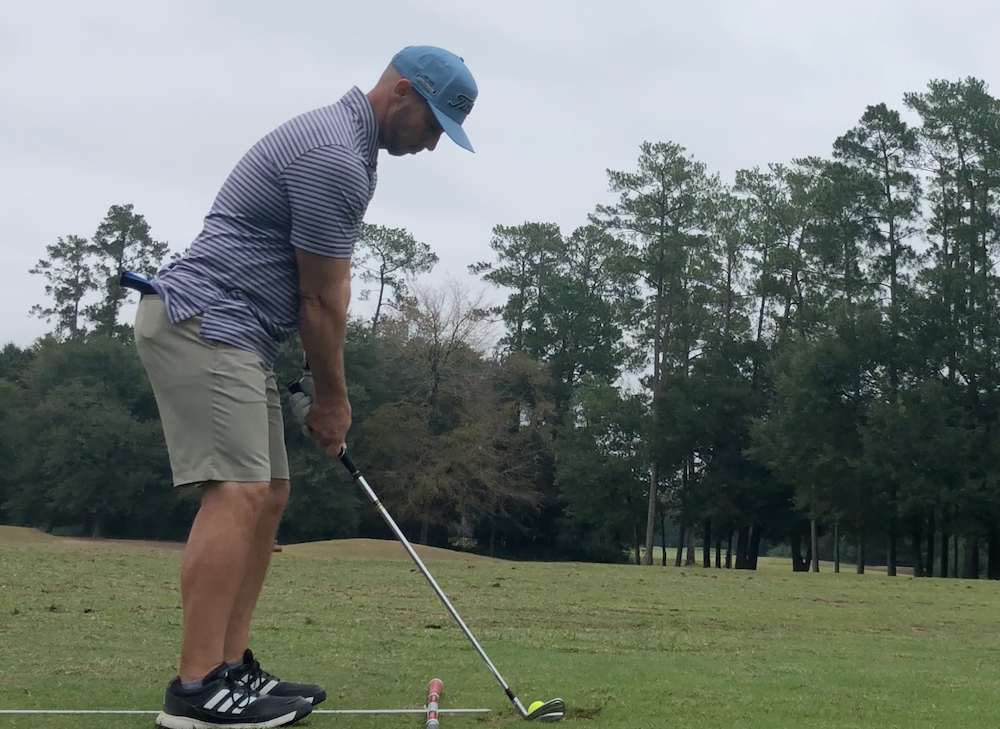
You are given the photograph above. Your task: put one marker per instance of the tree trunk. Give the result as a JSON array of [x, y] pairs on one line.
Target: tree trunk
[[795, 542], [729, 551], [378, 306], [971, 567], [993, 563], [931, 529], [861, 551], [836, 545], [424, 530], [743, 548], [663, 538], [814, 545], [706, 547], [651, 511], [680, 546], [918, 543], [690, 559], [718, 551], [944, 544], [653, 477], [637, 545], [755, 538], [890, 549]]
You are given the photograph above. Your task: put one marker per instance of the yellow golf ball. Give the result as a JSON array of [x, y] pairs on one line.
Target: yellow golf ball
[[534, 705]]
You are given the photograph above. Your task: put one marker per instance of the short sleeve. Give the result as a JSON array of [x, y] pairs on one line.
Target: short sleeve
[[328, 192]]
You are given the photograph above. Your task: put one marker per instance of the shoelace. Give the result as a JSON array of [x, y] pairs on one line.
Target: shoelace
[[245, 693], [256, 676]]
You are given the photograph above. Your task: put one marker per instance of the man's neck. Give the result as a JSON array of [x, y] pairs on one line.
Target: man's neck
[[380, 107]]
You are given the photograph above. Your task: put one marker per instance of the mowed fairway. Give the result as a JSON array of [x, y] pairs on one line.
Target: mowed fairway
[[95, 626]]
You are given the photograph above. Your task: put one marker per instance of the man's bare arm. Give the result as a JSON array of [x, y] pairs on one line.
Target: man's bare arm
[[325, 293]]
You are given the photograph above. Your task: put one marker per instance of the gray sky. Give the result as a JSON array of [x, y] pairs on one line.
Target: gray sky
[[153, 102]]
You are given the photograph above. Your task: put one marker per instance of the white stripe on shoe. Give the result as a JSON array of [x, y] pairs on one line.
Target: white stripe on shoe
[[213, 702], [235, 701], [269, 687]]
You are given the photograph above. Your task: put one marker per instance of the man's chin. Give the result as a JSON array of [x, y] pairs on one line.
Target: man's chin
[[396, 152]]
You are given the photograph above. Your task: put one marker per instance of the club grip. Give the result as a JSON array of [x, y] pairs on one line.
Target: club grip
[[348, 463], [131, 280]]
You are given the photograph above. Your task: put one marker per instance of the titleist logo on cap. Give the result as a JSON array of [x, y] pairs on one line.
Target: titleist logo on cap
[[463, 103]]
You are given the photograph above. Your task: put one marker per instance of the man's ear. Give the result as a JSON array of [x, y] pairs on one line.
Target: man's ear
[[401, 89]]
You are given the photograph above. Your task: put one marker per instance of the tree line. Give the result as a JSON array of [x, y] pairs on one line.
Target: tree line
[[804, 355]]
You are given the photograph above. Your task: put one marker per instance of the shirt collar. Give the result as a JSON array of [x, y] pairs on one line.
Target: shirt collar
[[367, 127]]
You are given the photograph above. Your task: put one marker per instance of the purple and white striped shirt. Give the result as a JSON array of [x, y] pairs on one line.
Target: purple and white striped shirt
[[306, 184]]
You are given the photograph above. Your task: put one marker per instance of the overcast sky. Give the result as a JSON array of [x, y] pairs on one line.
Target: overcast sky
[[152, 102]]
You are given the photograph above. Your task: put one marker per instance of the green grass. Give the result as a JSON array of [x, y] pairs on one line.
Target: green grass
[[626, 647]]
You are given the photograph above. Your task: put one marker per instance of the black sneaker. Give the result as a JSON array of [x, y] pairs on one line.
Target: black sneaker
[[221, 702], [257, 679]]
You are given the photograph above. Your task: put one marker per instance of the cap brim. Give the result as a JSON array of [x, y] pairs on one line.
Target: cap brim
[[453, 129]]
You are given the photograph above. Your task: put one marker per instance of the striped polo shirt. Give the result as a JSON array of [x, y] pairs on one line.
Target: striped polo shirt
[[306, 184]]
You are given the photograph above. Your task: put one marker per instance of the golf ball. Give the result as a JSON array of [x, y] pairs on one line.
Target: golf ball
[[534, 705]]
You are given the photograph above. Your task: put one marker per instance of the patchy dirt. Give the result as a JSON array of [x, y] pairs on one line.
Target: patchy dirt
[[582, 713]]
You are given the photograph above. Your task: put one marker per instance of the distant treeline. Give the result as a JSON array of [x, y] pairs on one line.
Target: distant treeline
[[807, 350]]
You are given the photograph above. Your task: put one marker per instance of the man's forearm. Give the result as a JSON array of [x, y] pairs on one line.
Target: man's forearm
[[322, 328]]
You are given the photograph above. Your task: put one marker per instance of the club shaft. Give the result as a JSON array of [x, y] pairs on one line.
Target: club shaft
[[356, 474]]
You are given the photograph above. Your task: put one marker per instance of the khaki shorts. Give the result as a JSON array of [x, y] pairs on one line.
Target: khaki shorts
[[219, 406]]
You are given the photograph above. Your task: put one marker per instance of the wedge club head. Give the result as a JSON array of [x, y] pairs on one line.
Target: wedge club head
[[552, 710]]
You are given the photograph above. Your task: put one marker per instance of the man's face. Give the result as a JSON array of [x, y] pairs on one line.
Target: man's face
[[410, 125]]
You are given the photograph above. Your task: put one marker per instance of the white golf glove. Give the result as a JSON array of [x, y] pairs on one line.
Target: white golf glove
[[301, 401]]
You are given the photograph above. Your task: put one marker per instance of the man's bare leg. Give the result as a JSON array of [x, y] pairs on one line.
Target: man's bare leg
[[238, 629], [213, 569]]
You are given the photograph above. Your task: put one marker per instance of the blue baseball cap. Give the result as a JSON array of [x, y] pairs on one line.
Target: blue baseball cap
[[441, 78]]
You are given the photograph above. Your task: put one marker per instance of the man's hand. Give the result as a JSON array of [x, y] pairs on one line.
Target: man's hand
[[324, 425], [328, 426]]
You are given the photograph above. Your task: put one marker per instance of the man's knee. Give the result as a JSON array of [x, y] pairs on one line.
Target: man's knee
[[277, 495], [248, 499]]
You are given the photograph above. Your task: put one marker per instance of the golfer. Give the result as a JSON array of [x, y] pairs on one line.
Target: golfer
[[273, 259]]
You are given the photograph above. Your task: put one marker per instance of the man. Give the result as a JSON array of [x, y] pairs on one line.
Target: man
[[273, 259]]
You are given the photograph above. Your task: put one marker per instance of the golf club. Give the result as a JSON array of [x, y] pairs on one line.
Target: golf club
[[551, 710]]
